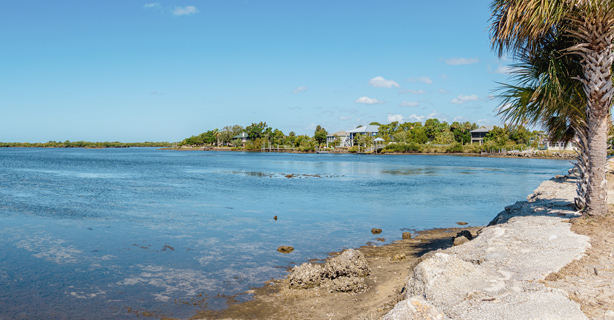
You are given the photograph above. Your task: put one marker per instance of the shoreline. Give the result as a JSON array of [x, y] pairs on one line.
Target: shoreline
[[544, 156], [389, 298], [274, 300]]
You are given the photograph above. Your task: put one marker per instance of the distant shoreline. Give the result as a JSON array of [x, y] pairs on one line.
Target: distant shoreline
[[546, 156]]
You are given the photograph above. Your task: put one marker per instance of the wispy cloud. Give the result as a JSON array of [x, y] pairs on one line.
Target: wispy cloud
[[184, 11], [380, 82], [443, 91], [299, 89], [367, 100], [501, 69], [462, 99], [152, 6], [461, 61], [409, 104], [412, 91], [423, 79], [344, 118]]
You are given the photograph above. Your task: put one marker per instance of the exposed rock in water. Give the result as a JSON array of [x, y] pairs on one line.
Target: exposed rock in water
[[275, 218], [285, 249], [376, 231], [381, 239], [462, 223], [406, 235]]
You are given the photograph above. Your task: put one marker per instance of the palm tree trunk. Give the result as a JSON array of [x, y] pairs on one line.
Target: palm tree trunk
[[597, 82], [596, 33]]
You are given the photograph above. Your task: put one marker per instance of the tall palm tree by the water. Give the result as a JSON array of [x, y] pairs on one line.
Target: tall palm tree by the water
[[545, 93], [519, 26]]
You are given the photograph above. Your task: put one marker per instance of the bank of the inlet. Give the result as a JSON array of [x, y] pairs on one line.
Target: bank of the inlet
[[518, 267]]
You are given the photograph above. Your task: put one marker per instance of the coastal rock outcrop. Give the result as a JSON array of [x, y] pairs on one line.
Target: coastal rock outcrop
[[497, 275], [342, 273]]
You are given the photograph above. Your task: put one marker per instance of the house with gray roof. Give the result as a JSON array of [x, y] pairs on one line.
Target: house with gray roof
[[478, 135], [371, 130]]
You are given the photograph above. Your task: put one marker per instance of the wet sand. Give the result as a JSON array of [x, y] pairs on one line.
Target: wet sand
[[275, 300]]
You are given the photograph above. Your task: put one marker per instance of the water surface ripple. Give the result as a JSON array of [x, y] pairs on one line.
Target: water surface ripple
[[114, 232]]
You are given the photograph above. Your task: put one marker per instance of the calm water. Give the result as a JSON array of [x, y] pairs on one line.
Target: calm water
[[98, 233]]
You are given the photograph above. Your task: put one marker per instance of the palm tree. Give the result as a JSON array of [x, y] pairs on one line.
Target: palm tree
[[520, 27], [545, 94]]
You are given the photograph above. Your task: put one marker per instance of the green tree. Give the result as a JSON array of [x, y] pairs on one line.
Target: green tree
[[519, 27], [320, 135], [256, 130]]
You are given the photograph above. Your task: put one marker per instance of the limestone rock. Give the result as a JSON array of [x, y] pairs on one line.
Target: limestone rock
[[460, 240], [347, 284], [376, 231], [415, 308], [465, 233], [305, 276], [350, 263], [406, 235], [462, 223]]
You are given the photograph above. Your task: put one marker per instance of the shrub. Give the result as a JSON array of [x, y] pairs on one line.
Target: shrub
[[455, 148]]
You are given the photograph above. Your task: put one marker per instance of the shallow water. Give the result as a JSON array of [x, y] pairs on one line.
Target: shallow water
[[103, 233]]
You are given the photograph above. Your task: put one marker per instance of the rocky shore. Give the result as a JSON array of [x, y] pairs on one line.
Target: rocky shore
[[524, 265]]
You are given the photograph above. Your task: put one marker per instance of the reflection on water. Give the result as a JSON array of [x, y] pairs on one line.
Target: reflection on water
[[126, 233]]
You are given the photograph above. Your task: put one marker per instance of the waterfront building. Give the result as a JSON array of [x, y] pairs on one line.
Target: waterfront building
[[477, 135], [371, 130], [342, 135]]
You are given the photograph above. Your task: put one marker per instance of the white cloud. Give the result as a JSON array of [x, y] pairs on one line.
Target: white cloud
[[444, 77], [443, 91], [401, 118], [345, 118], [461, 61], [184, 11], [395, 117], [409, 104], [380, 82], [426, 80], [367, 100], [412, 91], [299, 89], [415, 118], [152, 6], [462, 99]]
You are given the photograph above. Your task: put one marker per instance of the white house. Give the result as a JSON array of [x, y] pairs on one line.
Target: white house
[[559, 145], [371, 130], [342, 135]]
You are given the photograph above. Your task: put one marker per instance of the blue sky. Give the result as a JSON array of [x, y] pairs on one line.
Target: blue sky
[[157, 70]]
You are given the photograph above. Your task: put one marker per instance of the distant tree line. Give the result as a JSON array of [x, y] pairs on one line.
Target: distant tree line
[[83, 144], [431, 136]]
